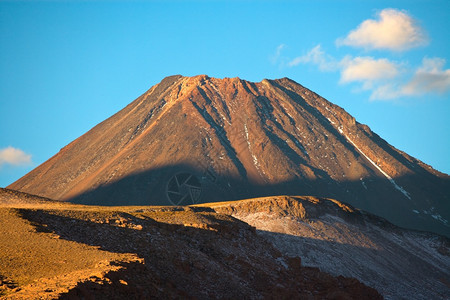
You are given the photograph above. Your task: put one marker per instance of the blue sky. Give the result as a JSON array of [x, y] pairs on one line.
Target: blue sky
[[67, 65]]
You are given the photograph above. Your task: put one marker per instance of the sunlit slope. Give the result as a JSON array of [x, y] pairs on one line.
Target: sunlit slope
[[241, 139], [90, 252]]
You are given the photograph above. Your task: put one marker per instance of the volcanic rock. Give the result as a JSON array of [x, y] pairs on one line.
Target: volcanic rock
[[198, 139], [82, 252], [344, 241]]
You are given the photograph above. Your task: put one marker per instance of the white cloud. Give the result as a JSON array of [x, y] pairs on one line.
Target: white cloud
[[367, 69], [393, 30], [386, 79], [376, 75], [429, 78], [318, 57], [14, 156], [370, 72]]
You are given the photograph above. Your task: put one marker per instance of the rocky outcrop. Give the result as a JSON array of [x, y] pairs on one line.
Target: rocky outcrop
[[86, 252], [341, 240]]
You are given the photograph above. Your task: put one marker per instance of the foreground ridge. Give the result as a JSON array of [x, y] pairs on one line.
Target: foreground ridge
[[76, 251], [341, 240]]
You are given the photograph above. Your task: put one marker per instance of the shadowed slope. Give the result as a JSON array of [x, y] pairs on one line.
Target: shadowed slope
[[237, 135], [399, 263], [89, 252]]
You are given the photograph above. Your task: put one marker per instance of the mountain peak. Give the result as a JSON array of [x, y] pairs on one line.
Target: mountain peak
[[200, 139]]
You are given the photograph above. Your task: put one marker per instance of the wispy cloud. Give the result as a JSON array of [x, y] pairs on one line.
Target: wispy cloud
[[429, 78], [14, 156], [318, 57], [274, 59], [385, 79], [351, 68], [368, 71], [393, 30]]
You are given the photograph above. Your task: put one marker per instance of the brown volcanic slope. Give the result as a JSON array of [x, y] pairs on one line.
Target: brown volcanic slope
[[240, 140], [66, 251]]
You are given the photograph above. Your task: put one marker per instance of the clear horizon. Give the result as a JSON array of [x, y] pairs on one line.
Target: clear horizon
[[66, 66]]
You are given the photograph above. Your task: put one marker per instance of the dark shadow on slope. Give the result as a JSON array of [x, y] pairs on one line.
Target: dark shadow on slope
[[265, 110], [176, 258], [224, 141], [231, 261], [132, 281], [368, 133], [376, 195], [316, 113], [393, 269], [391, 150]]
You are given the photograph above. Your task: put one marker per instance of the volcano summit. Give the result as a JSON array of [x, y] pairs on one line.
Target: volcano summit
[[198, 139]]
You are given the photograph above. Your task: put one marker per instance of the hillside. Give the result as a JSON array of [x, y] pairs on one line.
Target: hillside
[[337, 238], [65, 251], [236, 139]]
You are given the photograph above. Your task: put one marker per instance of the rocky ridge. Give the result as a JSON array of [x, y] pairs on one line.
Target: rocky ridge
[[341, 240], [89, 252], [238, 140]]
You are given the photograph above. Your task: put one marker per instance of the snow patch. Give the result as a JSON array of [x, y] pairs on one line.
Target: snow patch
[[399, 188], [225, 119], [435, 215], [255, 160], [363, 183], [246, 135], [440, 218]]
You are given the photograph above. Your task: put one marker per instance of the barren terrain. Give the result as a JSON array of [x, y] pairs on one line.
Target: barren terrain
[[241, 140], [52, 250], [337, 238]]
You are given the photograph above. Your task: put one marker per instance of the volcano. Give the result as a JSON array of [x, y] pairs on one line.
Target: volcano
[[190, 140]]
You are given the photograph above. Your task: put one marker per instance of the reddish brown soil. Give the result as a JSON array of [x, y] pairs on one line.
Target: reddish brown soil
[[81, 252], [242, 140]]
